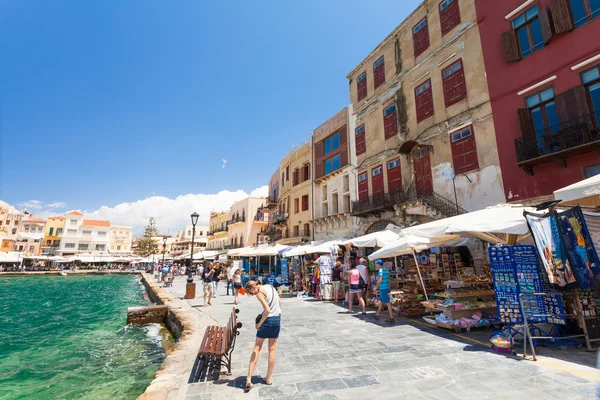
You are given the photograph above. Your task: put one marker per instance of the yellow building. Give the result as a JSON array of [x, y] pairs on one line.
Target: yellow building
[[295, 212], [218, 237], [53, 231], [424, 121]]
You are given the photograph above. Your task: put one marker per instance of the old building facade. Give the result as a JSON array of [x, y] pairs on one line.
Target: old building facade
[[244, 225], [424, 137], [542, 60], [294, 212], [334, 188], [218, 238]]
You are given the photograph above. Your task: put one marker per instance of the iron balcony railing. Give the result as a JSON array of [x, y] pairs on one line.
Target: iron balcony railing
[[237, 218], [558, 139], [217, 230], [279, 217], [261, 218], [377, 202]]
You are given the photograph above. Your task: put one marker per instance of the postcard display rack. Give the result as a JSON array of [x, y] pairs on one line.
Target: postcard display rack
[[522, 291]]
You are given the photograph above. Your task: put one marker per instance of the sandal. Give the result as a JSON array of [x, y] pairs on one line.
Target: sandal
[[390, 320], [249, 387], [267, 383]]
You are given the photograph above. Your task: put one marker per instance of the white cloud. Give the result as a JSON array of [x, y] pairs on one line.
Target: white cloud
[[171, 214], [224, 163], [41, 209]]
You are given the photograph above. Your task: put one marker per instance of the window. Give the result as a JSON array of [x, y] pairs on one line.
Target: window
[[305, 202], [59, 231], [424, 101], [287, 173], [528, 29], [73, 222], [361, 86], [14, 231], [361, 144], [543, 113], [591, 80], [69, 245], [464, 150], [296, 206], [118, 247], [83, 246], [48, 242], [332, 164], [377, 171], [72, 232], [306, 230], [590, 171], [296, 177], [420, 37], [449, 15], [584, 10], [455, 88], [390, 124], [331, 143], [101, 233], [86, 232], [51, 232], [100, 247], [379, 72], [306, 172]]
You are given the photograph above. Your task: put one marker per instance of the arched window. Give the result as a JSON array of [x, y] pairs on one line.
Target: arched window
[[243, 213], [242, 240], [378, 226]]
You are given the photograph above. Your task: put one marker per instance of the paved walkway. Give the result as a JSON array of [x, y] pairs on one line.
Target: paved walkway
[[325, 353]]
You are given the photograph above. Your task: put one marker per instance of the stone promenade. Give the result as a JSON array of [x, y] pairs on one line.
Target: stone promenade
[[326, 353]]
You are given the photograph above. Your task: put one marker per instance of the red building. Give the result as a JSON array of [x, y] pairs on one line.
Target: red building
[[542, 60]]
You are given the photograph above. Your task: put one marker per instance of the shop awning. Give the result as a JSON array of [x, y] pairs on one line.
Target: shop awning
[[376, 239], [10, 257], [582, 193], [270, 250], [297, 251], [408, 244], [499, 224]]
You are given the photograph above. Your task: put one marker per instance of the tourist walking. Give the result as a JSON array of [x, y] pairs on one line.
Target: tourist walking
[[355, 290], [237, 284], [229, 279], [365, 284], [383, 283], [207, 286], [336, 280], [218, 275], [268, 325]]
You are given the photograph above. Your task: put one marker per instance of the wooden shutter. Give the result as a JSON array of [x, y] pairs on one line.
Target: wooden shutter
[[390, 124], [361, 144], [449, 17], [545, 24], [572, 104], [304, 203], [319, 167], [528, 131], [511, 48], [464, 154], [343, 146], [562, 16], [394, 176]]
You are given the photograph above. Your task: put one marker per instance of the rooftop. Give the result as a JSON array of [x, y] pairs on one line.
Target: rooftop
[[74, 212], [95, 222]]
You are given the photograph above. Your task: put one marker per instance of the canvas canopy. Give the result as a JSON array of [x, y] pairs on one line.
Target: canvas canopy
[[499, 224], [297, 251], [376, 239], [408, 244], [582, 193]]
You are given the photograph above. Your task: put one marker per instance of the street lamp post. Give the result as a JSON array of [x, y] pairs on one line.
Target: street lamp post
[[190, 290], [164, 249]]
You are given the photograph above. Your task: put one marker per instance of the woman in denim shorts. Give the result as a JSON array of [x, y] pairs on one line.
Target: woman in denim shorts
[[268, 327]]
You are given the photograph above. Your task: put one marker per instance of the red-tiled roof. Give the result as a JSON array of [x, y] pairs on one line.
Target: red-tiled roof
[[57, 217], [95, 222], [74, 212], [35, 220]]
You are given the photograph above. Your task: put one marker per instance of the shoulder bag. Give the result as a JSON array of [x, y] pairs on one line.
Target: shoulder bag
[[259, 316]]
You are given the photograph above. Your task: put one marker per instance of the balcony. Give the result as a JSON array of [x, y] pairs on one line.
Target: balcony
[[261, 219], [271, 202], [217, 230], [377, 203], [280, 218], [237, 219], [559, 142]]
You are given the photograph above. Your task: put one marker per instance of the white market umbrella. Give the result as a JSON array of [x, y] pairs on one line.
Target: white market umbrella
[[375, 239], [583, 193], [297, 251]]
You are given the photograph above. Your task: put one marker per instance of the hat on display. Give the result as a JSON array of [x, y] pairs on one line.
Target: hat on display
[[379, 262]]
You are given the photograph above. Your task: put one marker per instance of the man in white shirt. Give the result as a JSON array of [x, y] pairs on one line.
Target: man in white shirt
[[362, 269]]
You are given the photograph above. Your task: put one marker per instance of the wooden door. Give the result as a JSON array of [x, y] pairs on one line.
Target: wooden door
[[363, 186], [377, 182], [423, 179]]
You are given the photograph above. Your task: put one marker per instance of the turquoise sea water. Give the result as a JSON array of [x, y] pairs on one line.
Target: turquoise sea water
[[66, 338]]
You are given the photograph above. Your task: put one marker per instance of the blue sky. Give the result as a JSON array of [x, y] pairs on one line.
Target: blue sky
[[112, 101]]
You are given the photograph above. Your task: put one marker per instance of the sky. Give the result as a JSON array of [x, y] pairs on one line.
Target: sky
[[131, 109]]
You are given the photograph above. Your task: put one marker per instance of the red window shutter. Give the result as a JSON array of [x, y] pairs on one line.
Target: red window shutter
[[390, 123], [304, 203], [424, 100], [394, 175], [455, 88], [343, 147], [361, 145], [421, 37], [379, 72], [318, 157], [307, 171], [363, 185], [464, 150], [361, 86], [449, 15]]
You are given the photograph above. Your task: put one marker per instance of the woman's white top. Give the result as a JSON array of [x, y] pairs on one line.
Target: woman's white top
[[272, 300]]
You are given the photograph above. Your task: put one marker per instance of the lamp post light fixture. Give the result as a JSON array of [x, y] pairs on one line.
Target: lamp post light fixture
[[164, 249], [194, 217]]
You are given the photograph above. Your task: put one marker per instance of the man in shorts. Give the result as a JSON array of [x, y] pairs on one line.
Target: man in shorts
[[207, 278], [383, 283], [336, 280]]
